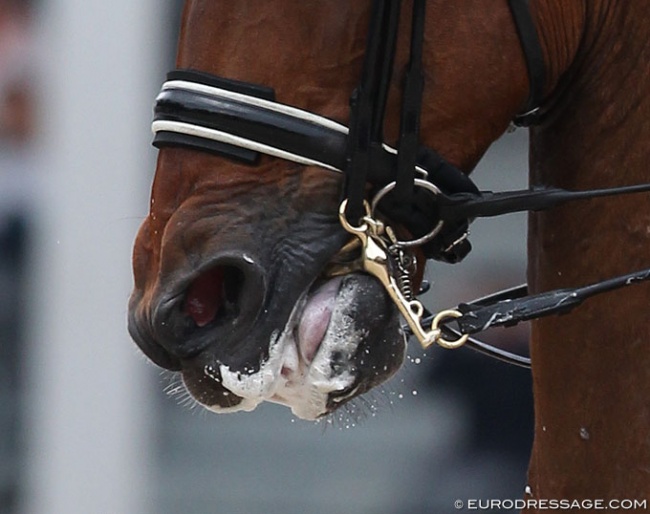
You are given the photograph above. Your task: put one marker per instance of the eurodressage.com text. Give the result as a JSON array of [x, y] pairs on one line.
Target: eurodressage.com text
[[550, 504]]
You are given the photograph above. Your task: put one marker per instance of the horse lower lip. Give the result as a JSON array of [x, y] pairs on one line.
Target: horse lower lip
[[315, 318]]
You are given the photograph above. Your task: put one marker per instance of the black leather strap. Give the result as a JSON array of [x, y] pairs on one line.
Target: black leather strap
[[327, 145], [532, 49], [478, 317], [368, 103], [405, 204], [409, 137], [513, 306], [241, 119], [488, 204], [165, 139], [477, 345], [291, 134]]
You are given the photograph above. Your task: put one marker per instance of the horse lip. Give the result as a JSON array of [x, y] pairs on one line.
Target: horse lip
[[306, 383]]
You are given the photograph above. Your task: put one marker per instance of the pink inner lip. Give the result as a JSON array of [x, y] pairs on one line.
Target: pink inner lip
[[316, 317]]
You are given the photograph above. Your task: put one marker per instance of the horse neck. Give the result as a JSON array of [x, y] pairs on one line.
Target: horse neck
[[591, 369]]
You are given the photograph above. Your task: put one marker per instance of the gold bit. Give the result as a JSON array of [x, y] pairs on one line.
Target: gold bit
[[376, 260]]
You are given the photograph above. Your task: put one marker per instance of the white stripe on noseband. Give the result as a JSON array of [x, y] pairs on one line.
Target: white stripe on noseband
[[223, 137], [294, 112], [191, 129]]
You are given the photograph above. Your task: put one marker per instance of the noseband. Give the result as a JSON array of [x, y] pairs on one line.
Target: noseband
[[412, 185]]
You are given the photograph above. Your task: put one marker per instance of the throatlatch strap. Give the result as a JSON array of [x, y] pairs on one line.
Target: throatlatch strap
[[534, 61]]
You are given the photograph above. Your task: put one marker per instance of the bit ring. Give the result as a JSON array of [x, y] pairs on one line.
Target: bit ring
[[361, 229], [425, 184], [435, 327]]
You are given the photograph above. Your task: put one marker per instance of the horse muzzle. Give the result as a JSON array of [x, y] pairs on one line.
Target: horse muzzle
[[237, 341]]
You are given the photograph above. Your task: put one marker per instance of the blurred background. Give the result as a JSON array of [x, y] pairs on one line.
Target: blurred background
[[88, 426]]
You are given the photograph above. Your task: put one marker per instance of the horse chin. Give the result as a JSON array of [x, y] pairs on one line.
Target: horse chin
[[342, 339]]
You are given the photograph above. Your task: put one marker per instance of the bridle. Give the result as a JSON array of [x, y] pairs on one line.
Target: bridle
[[412, 185]]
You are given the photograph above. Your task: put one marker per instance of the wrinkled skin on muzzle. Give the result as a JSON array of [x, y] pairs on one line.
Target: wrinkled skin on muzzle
[[230, 290]]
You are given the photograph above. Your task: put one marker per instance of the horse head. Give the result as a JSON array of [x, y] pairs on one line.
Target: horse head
[[244, 279]]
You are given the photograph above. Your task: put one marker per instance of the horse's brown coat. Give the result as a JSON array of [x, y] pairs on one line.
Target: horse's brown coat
[[591, 369]]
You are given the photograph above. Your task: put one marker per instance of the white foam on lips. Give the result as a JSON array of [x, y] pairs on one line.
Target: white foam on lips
[[286, 377], [255, 387], [321, 380], [307, 395]]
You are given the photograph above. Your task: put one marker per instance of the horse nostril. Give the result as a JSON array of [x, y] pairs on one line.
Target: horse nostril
[[214, 294], [211, 306]]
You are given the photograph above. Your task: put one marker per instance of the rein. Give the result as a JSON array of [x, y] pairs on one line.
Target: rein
[[412, 185]]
